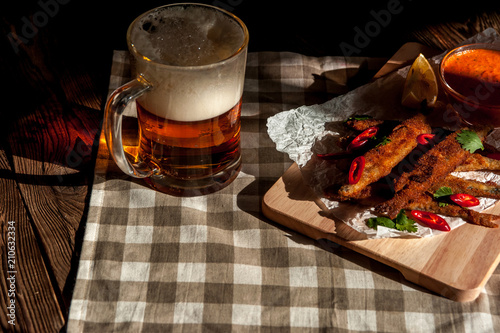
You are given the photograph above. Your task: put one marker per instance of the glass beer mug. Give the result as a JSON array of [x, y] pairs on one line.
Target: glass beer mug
[[189, 64]]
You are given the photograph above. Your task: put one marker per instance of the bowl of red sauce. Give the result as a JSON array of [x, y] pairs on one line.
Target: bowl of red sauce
[[470, 77]]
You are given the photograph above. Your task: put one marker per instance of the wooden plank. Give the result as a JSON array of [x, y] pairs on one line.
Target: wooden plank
[[50, 144], [48, 163], [447, 34], [36, 302]]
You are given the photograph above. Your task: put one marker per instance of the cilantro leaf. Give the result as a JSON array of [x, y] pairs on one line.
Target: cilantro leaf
[[385, 140], [383, 221], [359, 117], [443, 192], [401, 222], [470, 141]]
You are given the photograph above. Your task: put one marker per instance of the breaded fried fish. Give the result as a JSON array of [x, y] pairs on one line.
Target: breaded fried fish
[[380, 160], [362, 124], [426, 203], [431, 168], [469, 186], [479, 162]]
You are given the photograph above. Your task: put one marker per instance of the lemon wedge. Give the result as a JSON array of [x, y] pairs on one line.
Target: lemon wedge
[[420, 85]]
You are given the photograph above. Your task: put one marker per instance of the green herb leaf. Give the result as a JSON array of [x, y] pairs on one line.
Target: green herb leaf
[[374, 222], [443, 204], [401, 222], [443, 192], [470, 141], [359, 117], [385, 140]]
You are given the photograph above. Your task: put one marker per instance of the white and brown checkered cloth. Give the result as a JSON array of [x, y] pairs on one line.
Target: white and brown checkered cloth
[[156, 263]]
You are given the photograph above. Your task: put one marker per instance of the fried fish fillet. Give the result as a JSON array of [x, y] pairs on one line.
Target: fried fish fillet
[[426, 203], [362, 124], [431, 169], [479, 162], [469, 186], [380, 160]]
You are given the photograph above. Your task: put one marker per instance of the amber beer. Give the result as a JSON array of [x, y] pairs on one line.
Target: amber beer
[[191, 150], [189, 60]]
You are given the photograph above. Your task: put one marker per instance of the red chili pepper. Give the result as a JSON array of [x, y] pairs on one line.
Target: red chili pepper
[[431, 220], [362, 138], [425, 139], [356, 169], [464, 200]]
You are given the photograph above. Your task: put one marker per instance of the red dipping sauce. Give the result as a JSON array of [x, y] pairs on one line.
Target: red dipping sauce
[[470, 76]]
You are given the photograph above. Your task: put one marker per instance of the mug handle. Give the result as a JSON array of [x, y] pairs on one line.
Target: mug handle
[[113, 113]]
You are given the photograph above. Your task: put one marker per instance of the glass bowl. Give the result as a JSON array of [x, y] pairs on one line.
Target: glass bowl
[[470, 77]]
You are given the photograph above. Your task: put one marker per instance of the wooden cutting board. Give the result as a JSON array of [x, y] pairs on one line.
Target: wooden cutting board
[[455, 265]]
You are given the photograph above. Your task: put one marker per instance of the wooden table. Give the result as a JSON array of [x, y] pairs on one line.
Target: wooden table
[[56, 74]]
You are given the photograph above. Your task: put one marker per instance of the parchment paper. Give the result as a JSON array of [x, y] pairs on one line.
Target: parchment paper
[[308, 130]]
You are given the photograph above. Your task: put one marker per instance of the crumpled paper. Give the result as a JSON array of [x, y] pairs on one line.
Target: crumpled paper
[[303, 132]]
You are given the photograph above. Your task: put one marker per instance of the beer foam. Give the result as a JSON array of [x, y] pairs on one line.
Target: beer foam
[[186, 35], [193, 100]]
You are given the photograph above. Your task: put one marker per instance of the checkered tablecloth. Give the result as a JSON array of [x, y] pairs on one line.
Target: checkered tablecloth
[[156, 263]]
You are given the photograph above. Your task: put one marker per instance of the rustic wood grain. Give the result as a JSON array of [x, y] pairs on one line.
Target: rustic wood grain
[[36, 303], [445, 35], [50, 146]]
